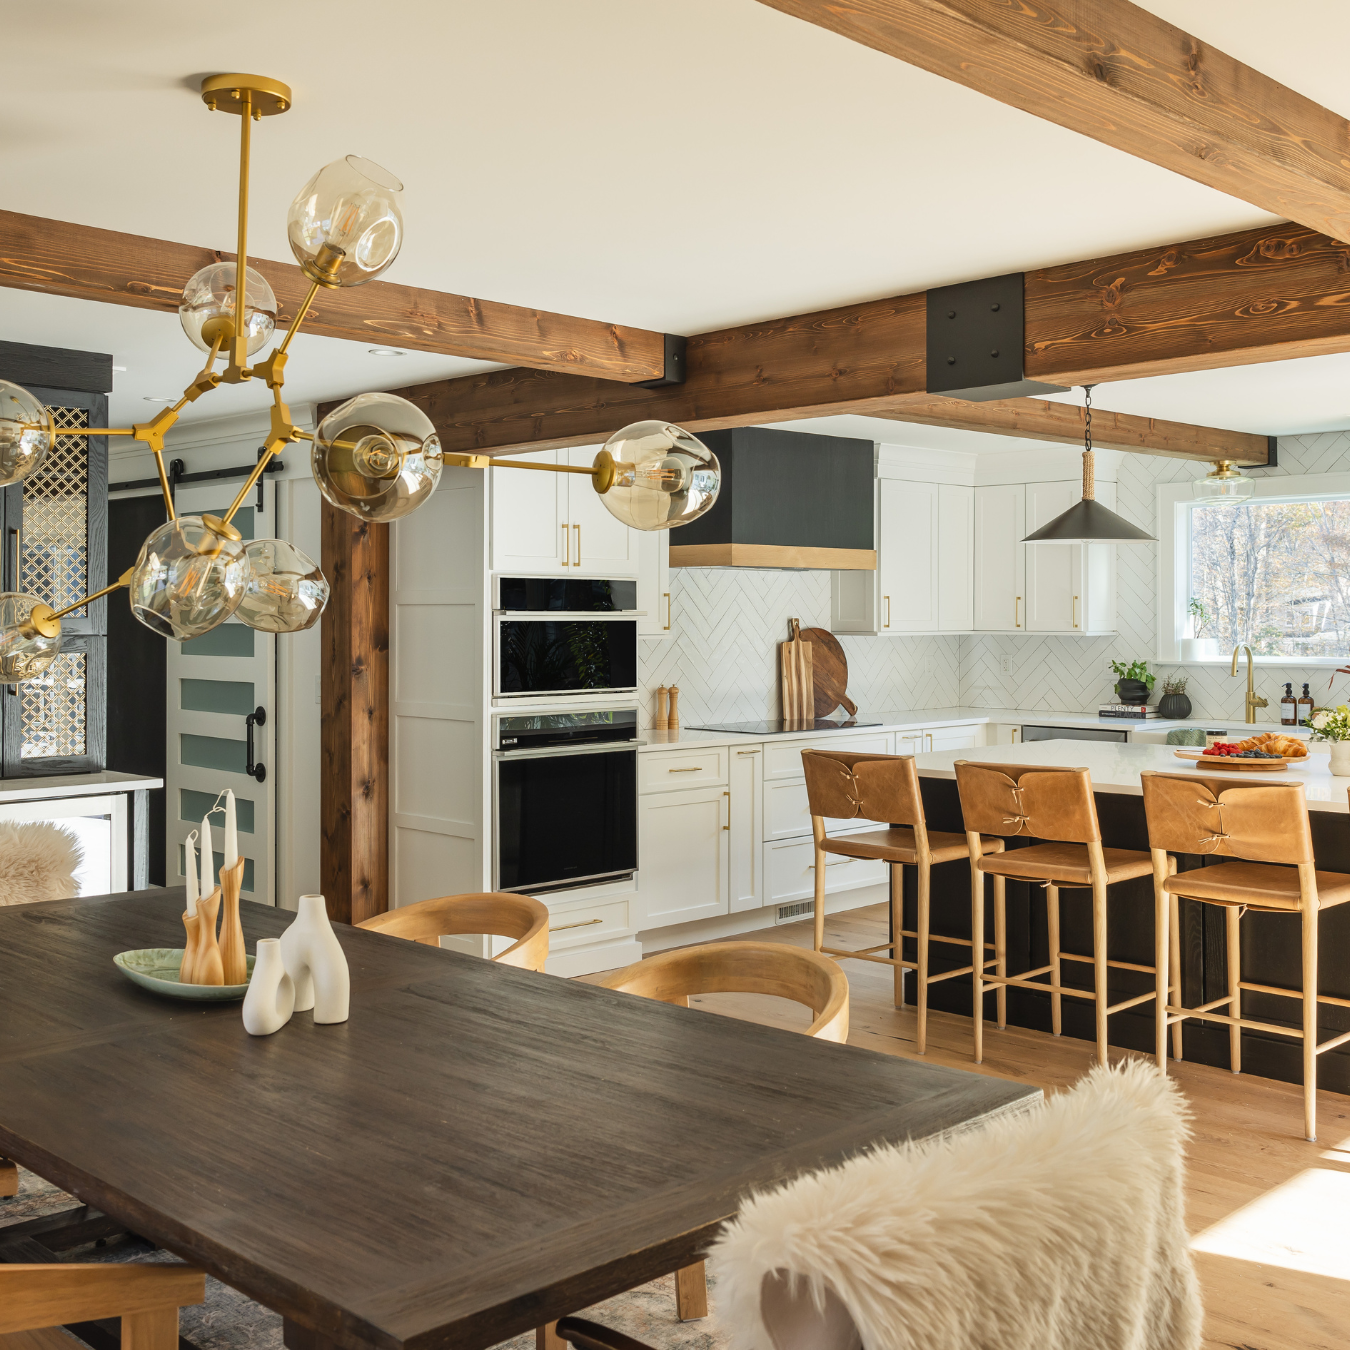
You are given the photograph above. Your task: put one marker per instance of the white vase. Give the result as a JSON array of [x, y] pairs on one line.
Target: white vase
[[270, 1000], [315, 961], [1340, 759]]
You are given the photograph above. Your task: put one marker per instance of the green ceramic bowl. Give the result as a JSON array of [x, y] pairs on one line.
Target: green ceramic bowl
[[156, 969]]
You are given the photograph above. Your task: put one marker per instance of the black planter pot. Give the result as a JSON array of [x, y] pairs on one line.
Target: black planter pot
[[1132, 691], [1174, 707]]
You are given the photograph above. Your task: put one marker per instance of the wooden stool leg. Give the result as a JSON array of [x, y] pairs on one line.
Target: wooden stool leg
[[897, 923], [977, 951], [820, 896], [156, 1329], [1099, 967], [9, 1178], [691, 1293], [1309, 1022], [1174, 968], [547, 1338], [1161, 948], [1000, 948], [921, 975], [1052, 926], [1234, 918]]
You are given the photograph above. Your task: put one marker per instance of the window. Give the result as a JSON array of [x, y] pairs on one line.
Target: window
[[1273, 573]]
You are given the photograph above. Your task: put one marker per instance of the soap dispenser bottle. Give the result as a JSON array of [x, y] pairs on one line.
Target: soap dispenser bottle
[[1289, 707], [1305, 707]]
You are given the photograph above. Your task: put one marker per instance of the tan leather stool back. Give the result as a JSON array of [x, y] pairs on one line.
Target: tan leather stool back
[[872, 787], [1033, 800], [1259, 821]]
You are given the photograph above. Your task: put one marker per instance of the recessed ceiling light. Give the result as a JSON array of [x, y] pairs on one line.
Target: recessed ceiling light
[[385, 351], [150, 399]]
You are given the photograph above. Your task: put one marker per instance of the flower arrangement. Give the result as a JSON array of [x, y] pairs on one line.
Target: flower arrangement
[[1330, 724], [1175, 684]]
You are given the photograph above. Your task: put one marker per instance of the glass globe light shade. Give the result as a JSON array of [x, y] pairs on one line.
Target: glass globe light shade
[[377, 456], [287, 590], [191, 575], [27, 432], [1223, 484], [660, 476], [209, 297], [25, 649], [345, 225]]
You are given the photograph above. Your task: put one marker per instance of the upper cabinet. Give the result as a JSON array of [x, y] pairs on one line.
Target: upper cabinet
[[547, 524], [1000, 558], [653, 595]]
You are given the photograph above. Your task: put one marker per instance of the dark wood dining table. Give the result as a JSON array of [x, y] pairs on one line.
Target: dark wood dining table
[[478, 1150]]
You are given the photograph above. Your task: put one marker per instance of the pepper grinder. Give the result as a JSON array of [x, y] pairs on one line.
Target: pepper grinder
[[661, 695], [673, 723]]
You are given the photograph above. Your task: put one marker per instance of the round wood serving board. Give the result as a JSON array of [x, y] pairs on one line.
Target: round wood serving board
[[1228, 762], [829, 671]]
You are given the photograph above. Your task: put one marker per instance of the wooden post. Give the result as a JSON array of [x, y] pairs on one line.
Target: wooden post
[[354, 796]]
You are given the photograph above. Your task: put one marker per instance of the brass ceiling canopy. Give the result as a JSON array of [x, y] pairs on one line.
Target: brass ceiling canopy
[[262, 96]]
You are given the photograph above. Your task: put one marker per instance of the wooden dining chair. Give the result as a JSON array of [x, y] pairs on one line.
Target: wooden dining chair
[[886, 788], [1056, 807], [37, 1300], [498, 913], [1266, 826]]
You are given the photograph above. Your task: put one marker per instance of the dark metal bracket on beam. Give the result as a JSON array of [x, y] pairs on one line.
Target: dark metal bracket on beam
[[675, 364], [975, 341]]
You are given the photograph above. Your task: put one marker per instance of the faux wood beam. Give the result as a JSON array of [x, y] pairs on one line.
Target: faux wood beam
[[58, 258], [1122, 76], [354, 740]]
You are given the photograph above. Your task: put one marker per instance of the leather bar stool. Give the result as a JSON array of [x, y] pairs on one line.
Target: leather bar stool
[[886, 788], [1266, 826], [496, 913], [1055, 806]]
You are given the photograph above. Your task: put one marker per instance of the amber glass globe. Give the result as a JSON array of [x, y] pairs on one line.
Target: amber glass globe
[[209, 297], [345, 225], [287, 590], [189, 577], [27, 432], [24, 652], [377, 456], [661, 476]]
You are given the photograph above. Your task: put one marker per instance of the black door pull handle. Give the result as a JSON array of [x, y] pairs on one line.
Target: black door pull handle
[[257, 718]]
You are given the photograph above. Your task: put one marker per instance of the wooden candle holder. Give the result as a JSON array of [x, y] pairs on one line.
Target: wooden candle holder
[[210, 969], [233, 954], [192, 925]]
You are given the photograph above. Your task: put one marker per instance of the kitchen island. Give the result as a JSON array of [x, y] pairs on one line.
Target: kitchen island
[[1270, 942]]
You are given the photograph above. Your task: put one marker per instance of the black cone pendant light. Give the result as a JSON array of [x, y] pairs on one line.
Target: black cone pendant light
[[1089, 521]]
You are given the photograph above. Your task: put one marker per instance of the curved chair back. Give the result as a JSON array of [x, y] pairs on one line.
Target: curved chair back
[[874, 787], [1260, 821], [1028, 799], [794, 973], [495, 912]]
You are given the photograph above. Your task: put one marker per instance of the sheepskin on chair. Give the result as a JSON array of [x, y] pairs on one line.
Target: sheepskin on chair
[[38, 861], [1060, 1228]]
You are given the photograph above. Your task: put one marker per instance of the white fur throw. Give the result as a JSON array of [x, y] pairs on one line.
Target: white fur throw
[[37, 862], [1060, 1228]]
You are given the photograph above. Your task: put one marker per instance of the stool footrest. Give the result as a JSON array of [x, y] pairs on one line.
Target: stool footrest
[[1115, 965], [961, 970], [1181, 1014]]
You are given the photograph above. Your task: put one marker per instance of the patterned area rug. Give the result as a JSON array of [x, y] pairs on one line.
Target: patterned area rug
[[230, 1321]]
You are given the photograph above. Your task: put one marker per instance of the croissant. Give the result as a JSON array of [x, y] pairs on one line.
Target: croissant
[[1276, 744]]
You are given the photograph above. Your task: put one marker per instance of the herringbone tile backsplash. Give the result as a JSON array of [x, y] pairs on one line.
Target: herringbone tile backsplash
[[727, 624]]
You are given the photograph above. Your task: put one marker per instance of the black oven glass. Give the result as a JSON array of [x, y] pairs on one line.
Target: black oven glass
[[575, 595], [541, 656], [565, 819]]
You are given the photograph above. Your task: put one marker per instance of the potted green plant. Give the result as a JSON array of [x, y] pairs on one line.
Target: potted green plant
[[1174, 703], [1134, 682], [1333, 724]]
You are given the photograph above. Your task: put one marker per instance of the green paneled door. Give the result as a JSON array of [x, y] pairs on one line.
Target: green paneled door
[[192, 806], [226, 696]]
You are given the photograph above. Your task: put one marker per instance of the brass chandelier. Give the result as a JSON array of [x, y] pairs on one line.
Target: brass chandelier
[[376, 456]]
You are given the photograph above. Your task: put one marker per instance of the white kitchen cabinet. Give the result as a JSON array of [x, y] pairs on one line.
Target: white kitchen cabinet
[[600, 544], [1000, 558], [653, 559], [791, 871], [955, 558], [683, 856], [1070, 587], [746, 805]]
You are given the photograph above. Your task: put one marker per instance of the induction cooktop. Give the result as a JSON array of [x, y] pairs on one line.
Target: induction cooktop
[[781, 728]]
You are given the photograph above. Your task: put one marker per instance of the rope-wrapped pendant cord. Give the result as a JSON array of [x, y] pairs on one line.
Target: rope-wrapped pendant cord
[[1089, 472]]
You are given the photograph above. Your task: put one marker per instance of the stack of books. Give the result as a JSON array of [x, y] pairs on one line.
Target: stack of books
[[1137, 712]]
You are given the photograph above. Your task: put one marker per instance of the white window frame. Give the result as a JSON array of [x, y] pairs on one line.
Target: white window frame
[[1174, 548]]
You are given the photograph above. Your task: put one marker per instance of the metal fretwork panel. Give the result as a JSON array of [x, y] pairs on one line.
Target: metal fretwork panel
[[54, 548], [53, 709]]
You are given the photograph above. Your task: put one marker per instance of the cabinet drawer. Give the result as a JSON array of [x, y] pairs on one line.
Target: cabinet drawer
[[785, 760], [669, 770], [791, 872], [787, 813], [579, 924]]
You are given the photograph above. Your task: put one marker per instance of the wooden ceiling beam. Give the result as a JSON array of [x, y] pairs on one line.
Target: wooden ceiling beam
[[58, 258], [1122, 76]]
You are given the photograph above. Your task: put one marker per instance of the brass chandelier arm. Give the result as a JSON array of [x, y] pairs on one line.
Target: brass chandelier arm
[[123, 580], [299, 318]]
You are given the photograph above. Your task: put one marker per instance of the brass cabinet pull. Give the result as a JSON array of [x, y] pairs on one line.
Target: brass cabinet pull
[[577, 561], [697, 768], [584, 923], [1017, 612], [1075, 611], [843, 862], [727, 826], [565, 541], [667, 595], [887, 599], [747, 752], [17, 532]]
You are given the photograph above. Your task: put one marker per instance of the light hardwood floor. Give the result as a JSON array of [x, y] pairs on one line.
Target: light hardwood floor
[[1270, 1213]]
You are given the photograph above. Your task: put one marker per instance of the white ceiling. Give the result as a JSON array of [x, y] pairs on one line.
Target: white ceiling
[[674, 166]]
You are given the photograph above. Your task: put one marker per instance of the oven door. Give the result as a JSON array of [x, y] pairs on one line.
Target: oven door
[[564, 654], [564, 817]]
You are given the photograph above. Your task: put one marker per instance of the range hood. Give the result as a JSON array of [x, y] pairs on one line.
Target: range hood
[[788, 499]]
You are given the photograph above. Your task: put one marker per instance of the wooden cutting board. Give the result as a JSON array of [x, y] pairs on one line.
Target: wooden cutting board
[[1222, 762], [795, 676], [829, 671]]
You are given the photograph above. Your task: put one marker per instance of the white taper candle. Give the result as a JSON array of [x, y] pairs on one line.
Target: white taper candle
[[208, 858], [190, 871], [231, 832]]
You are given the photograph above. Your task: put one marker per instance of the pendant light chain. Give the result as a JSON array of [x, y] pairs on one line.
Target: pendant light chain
[[1089, 460]]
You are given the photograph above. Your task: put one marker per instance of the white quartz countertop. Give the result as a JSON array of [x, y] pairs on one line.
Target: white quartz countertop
[[1116, 765], [74, 785]]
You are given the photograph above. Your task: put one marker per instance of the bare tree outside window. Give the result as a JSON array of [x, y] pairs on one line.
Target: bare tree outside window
[[1275, 575]]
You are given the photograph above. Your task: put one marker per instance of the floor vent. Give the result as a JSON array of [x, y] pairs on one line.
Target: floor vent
[[795, 911]]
